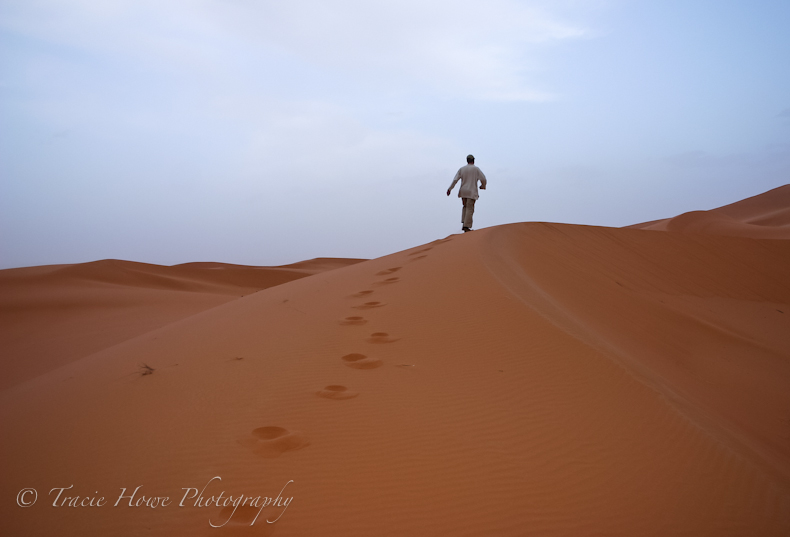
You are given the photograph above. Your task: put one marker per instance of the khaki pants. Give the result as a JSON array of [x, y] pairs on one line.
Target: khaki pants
[[467, 211]]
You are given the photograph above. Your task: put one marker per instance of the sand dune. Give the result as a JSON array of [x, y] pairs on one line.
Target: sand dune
[[528, 379], [765, 216], [52, 315]]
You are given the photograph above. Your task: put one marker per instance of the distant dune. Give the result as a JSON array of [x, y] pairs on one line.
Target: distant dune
[[765, 216], [527, 379], [52, 315]]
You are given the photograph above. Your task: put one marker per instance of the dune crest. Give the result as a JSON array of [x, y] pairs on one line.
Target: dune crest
[[52, 315], [765, 216]]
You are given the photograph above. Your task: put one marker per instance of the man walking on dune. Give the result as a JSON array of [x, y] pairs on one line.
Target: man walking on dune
[[469, 175]]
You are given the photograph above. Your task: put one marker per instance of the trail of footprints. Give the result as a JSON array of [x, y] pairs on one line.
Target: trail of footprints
[[356, 360], [273, 441]]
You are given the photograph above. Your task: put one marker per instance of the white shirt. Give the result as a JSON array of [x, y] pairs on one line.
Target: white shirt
[[469, 176]]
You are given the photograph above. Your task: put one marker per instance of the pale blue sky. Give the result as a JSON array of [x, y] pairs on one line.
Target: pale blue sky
[[264, 133]]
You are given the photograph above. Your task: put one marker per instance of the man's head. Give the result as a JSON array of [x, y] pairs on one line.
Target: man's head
[[470, 159]]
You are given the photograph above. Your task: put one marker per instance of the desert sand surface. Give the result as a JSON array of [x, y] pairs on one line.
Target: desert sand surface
[[52, 315], [764, 216], [526, 379]]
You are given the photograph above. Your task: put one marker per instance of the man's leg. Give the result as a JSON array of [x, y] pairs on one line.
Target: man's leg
[[463, 212], [469, 211]]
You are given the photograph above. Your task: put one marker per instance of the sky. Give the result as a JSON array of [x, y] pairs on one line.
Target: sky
[[268, 132]]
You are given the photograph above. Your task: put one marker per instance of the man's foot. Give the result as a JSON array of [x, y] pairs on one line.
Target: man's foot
[[466, 229]]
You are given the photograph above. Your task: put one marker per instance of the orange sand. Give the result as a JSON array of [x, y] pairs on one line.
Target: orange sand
[[52, 315], [528, 379], [765, 216]]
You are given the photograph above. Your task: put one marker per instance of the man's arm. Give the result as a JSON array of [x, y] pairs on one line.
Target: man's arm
[[482, 178], [455, 180]]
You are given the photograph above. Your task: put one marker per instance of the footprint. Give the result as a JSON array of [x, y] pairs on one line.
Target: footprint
[[387, 281], [273, 441], [442, 241], [362, 293], [353, 321], [360, 361], [380, 337], [419, 257], [336, 392], [422, 251], [369, 305], [388, 271], [244, 516]]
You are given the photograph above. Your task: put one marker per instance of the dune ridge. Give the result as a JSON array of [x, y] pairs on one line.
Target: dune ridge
[[764, 216], [52, 315], [528, 379]]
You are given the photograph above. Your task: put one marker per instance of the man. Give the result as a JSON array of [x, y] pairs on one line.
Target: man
[[469, 175]]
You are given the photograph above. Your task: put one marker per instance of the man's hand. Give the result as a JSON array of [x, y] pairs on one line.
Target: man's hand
[[482, 187], [448, 191]]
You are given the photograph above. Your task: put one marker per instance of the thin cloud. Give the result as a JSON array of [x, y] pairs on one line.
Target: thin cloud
[[467, 49], [487, 50]]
